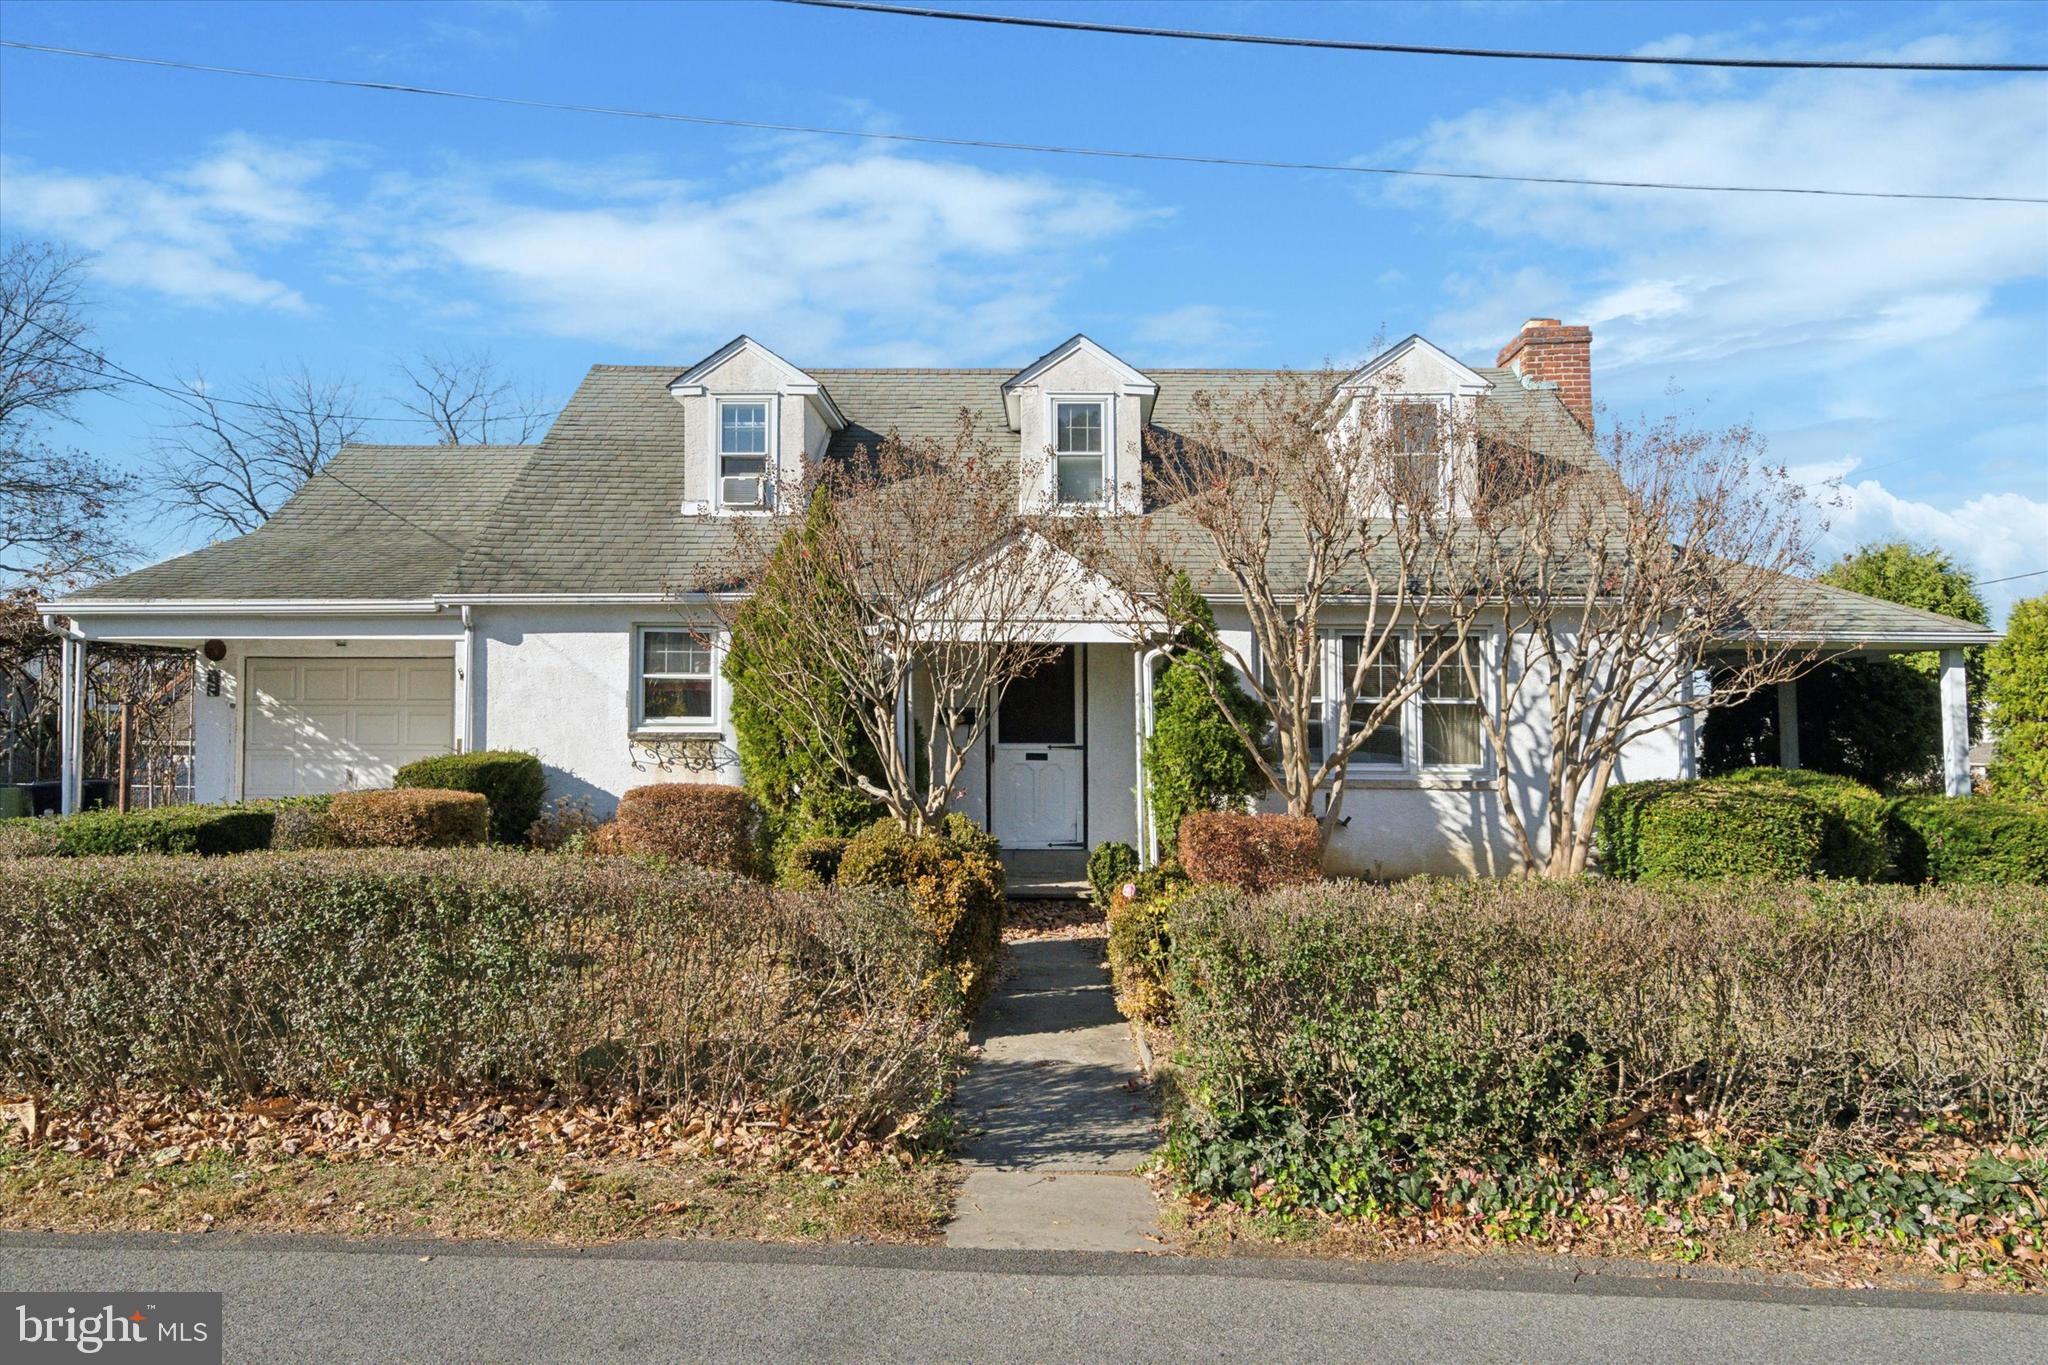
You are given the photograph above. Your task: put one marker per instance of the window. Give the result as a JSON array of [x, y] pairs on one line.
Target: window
[[1382, 678], [1077, 451], [1417, 449], [1318, 708], [1450, 710], [743, 454], [675, 678]]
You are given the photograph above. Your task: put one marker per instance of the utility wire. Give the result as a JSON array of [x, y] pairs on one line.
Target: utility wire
[[2010, 578], [1410, 49], [199, 400], [1053, 149]]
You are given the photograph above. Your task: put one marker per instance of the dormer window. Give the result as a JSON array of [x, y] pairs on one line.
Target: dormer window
[[1078, 447], [743, 453], [1416, 430]]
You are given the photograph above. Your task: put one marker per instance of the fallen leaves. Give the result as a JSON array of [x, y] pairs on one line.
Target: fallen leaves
[[162, 1131]]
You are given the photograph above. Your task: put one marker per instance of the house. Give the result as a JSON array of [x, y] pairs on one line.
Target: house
[[416, 599]]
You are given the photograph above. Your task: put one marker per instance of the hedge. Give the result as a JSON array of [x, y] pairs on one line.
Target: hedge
[[510, 780], [1856, 836], [1252, 852], [390, 971], [1970, 839], [704, 823], [164, 829], [1110, 865], [953, 877], [1702, 831], [1774, 823], [413, 817], [1357, 1048]]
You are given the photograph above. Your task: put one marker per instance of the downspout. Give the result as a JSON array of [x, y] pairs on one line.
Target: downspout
[[1148, 823]]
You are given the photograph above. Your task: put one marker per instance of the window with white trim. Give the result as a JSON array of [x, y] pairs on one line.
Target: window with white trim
[[1078, 446], [1385, 746], [673, 679], [1451, 734], [743, 453], [1416, 447]]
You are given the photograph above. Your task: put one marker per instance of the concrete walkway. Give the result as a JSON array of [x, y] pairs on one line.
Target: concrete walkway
[[1057, 1116]]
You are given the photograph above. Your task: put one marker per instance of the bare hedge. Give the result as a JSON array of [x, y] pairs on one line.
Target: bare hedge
[[395, 971], [1471, 1020]]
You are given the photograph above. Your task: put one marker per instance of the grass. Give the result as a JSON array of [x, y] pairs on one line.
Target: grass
[[564, 1200], [1227, 1230]]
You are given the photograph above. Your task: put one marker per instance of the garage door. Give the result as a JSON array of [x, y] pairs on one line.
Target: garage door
[[324, 725]]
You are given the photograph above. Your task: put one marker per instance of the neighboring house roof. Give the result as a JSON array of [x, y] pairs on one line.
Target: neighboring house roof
[[379, 523], [594, 508]]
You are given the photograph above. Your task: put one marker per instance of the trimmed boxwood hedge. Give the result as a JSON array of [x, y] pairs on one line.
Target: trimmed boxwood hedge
[[1970, 839], [1703, 831], [1855, 843], [164, 829], [510, 780], [1760, 822]]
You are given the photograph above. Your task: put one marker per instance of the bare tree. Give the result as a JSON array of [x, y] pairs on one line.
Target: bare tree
[[466, 400], [236, 457], [916, 591], [56, 504], [1325, 510], [1616, 585]]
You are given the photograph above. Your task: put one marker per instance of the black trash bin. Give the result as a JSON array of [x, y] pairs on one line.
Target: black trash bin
[[46, 797]]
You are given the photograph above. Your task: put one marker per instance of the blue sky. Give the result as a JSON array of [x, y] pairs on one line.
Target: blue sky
[[1902, 347]]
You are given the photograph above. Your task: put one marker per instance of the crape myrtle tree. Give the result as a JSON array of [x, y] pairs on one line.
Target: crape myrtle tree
[[908, 598], [1326, 511], [1612, 585]]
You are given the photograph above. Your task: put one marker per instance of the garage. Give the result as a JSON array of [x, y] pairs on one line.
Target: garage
[[328, 725]]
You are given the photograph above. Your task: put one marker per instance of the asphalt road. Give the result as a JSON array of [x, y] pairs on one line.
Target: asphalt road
[[324, 1300]]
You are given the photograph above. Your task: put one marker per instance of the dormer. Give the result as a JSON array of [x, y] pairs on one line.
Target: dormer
[[1427, 399], [752, 422], [1080, 414]]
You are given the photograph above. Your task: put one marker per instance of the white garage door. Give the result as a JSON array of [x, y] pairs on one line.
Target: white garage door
[[328, 725]]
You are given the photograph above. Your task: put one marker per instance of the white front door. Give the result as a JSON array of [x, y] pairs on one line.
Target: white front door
[[329, 725], [1038, 766]]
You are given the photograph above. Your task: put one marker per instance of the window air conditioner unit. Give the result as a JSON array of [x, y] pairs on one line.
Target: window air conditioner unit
[[743, 490]]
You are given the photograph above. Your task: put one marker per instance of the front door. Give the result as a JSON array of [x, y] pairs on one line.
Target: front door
[[1038, 767]]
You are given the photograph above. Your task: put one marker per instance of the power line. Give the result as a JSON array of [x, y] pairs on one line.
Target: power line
[[1051, 149], [2011, 578], [1410, 49], [199, 400]]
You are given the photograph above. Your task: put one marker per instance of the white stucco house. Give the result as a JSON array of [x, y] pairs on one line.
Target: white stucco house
[[411, 600]]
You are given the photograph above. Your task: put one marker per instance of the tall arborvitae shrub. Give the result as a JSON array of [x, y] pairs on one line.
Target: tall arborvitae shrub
[[1195, 759], [2018, 693], [802, 794]]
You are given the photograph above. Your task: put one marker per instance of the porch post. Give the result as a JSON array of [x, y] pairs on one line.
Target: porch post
[[1788, 724], [70, 724], [1955, 724], [465, 696]]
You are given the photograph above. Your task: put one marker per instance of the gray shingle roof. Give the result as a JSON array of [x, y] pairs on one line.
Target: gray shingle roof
[[380, 523], [593, 509]]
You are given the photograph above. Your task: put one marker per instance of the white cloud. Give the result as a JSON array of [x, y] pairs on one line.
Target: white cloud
[[188, 233], [883, 258], [877, 257], [1995, 535], [1683, 279]]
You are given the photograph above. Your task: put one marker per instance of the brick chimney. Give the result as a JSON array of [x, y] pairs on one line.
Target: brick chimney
[[1546, 350]]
